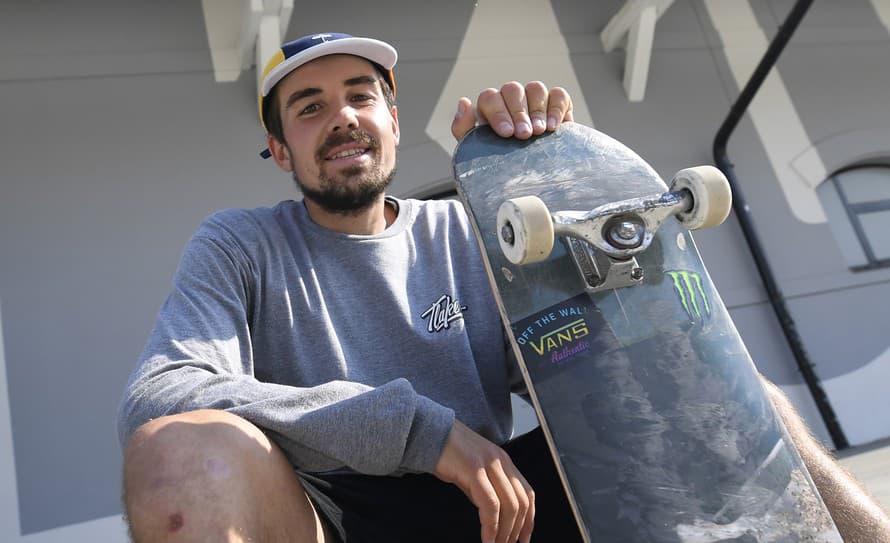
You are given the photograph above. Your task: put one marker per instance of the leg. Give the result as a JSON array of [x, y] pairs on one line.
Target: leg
[[213, 476]]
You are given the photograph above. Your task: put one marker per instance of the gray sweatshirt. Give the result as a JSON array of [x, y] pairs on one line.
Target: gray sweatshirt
[[352, 352]]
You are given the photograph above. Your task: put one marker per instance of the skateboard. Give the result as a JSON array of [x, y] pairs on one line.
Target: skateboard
[[657, 420]]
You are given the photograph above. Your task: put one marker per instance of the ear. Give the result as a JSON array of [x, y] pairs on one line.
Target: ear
[[394, 113], [280, 153]]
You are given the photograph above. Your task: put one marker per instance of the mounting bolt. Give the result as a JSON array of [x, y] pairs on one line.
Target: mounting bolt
[[636, 274], [507, 234], [625, 234], [626, 230]]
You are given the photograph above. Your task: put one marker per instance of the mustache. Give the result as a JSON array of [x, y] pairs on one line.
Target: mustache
[[357, 135]]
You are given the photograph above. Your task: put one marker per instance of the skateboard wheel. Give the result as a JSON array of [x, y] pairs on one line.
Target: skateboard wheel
[[711, 196], [525, 230]]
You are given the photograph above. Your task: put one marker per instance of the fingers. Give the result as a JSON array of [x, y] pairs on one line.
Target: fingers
[[508, 502], [559, 107], [506, 110], [488, 502], [464, 118], [537, 98], [516, 110], [528, 524], [504, 502], [515, 502], [485, 473], [493, 105]]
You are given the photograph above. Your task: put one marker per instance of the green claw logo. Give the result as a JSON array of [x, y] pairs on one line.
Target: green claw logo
[[692, 295]]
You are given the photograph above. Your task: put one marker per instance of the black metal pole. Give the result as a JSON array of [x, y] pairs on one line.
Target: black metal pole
[[743, 213]]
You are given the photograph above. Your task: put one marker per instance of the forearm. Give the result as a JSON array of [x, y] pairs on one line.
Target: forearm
[[858, 516], [370, 430]]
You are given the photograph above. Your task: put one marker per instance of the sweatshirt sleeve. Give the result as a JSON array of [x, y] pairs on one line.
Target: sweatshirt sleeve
[[199, 357]]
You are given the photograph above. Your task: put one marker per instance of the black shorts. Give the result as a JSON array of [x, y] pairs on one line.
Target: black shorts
[[420, 507]]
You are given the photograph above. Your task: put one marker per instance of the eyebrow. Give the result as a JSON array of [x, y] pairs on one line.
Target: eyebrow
[[312, 91], [300, 94], [360, 80]]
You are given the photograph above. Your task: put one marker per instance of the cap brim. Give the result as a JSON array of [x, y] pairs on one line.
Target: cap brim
[[374, 50]]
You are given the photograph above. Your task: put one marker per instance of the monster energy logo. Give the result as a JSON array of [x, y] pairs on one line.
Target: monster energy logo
[[692, 295]]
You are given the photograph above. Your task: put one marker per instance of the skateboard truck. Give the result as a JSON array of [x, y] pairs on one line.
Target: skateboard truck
[[604, 241]]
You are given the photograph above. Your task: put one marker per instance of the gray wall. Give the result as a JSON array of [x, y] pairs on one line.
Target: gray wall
[[116, 141]]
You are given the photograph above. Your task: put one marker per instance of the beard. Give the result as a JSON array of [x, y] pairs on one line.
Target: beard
[[353, 189]]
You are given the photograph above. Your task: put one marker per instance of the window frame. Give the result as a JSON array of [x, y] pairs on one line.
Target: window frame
[[855, 210]]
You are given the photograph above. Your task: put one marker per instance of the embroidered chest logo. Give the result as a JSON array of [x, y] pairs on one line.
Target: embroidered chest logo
[[442, 313]]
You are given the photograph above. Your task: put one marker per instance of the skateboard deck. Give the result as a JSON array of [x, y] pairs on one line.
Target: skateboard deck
[[653, 410]]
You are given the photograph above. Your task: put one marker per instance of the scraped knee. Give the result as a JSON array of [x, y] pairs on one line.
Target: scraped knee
[[200, 470]]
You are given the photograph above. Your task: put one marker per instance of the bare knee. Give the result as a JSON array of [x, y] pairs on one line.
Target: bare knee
[[195, 432], [205, 443], [203, 471]]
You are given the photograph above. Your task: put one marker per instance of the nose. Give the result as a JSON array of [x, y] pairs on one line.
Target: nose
[[345, 118]]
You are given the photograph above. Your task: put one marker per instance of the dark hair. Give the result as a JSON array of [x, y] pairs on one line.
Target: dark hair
[[272, 113]]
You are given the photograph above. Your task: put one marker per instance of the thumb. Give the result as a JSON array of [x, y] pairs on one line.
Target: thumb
[[464, 119]]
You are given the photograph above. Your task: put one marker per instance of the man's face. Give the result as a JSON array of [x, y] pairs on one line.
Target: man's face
[[340, 135]]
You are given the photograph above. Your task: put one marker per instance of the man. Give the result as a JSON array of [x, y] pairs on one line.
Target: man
[[313, 321], [324, 370]]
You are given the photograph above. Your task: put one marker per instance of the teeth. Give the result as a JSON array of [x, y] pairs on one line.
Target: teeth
[[347, 153]]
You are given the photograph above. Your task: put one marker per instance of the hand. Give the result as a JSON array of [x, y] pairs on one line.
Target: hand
[[485, 473], [515, 110]]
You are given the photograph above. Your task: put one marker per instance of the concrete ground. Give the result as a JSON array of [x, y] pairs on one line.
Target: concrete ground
[[871, 465]]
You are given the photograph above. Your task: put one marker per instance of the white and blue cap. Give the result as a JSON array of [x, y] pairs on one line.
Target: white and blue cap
[[294, 54]]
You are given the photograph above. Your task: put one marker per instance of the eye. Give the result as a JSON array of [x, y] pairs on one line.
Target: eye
[[311, 108], [362, 98]]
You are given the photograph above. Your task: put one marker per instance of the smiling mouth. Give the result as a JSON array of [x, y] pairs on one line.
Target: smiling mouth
[[348, 153], [348, 145]]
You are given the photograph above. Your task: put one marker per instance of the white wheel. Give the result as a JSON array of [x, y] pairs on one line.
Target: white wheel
[[525, 230], [711, 196]]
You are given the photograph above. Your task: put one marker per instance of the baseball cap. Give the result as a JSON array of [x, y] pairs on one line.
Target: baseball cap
[[295, 53]]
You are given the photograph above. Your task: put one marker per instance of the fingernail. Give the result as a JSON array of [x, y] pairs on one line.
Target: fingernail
[[539, 124], [506, 128], [523, 127], [461, 109], [551, 123]]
